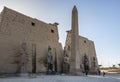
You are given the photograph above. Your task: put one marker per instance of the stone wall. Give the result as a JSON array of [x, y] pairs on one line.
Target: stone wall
[[16, 28], [86, 47]]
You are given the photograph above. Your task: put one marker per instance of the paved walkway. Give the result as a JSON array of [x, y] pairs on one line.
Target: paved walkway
[[62, 78]]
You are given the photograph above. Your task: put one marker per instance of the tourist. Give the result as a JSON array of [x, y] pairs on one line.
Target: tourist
[[99, 72], [103, 74]]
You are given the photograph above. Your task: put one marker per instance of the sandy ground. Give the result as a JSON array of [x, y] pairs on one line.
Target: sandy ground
[[64, 78], [112, 70]]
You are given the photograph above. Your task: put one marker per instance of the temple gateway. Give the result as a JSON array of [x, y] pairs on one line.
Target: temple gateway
[[28, 45]]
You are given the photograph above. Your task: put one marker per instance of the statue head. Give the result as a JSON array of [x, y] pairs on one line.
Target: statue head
[[23, 45], [85, 56], [66, 55], [49, 48]]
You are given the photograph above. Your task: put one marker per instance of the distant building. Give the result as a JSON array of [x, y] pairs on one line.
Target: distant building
[[24, 43]]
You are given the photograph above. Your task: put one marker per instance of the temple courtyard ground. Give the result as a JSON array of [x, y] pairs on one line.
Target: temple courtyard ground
[[64, 78]]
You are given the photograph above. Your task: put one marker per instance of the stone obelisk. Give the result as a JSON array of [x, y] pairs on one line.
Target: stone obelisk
[[74, 41]]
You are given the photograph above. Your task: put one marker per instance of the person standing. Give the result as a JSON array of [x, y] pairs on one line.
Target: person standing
[[99, 72], [103, 74]]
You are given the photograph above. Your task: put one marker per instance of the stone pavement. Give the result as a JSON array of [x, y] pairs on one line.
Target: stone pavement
[[64, 78]]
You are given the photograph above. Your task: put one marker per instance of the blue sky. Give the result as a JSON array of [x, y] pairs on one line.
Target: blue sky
[[99, 20]]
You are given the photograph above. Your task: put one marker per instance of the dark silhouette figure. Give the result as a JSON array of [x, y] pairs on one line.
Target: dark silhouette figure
[[103, 74], [86, 73], [99, 73]]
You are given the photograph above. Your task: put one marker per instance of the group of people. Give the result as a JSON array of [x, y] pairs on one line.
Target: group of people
[[103, 73], [99, 73]]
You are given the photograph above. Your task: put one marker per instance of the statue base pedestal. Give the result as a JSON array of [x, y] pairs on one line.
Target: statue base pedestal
[[23, 74], [33, 75], [76, 72]]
